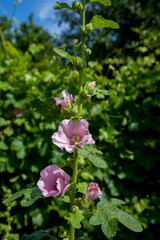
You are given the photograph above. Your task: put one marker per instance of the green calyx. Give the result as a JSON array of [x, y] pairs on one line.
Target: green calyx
[[77, 6], [77, 63]]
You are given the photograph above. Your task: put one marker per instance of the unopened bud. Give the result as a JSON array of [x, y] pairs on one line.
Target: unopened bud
[[84, 203], [75, 208], [15, 4], [77, 6], [89, 27], [81, 162], [88, 51], [77, 63]]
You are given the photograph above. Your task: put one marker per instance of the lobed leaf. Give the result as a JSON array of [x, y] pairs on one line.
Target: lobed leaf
[[75, 219], [61, 52], [49, 110], [37, 235], [100, 22], [93, 155], [104, 2], [31, 194], [62, 5], [82, 187]]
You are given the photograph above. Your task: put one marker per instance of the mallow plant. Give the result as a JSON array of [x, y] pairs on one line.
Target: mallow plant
[[74, 137]]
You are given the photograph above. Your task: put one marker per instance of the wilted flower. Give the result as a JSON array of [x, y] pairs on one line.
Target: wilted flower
[[53, 181], [72, 133], [93, 192], [93, 84], [67, 99]]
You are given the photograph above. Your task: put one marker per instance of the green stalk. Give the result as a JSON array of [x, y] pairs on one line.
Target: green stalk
[[75, 167], [83, 38], [72, 197]]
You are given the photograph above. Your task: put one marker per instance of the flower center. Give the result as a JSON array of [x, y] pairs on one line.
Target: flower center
[[75, 139]]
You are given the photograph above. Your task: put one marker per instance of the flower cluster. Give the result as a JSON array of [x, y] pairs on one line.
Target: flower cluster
[[53, 180]]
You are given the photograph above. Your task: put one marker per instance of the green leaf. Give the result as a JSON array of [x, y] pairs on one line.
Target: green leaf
[[109, 227], [97, 161], [66, 199], [31, 194], [62, 5], [38, 235], [82, 187], [104, 2], [93, 155], [100, 22], [3, 146], [49, 110], [113, 95], [108, 213], [61, 52], [75, 219]]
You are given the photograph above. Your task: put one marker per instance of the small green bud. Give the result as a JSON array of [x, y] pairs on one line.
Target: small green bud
[[82, 29], [70, 161], [88, 51], [81, 162], [77, 63], [75, 208], [85, 203], [89, 27], [77, 6], [63, 235]]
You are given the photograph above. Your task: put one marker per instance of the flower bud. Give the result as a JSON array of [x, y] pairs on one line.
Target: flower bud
[[89, 28], [77, 63], [88, 51], [15, 4], [81, 162], [84, 203], [77, 6], [75, 208], [93, 192]]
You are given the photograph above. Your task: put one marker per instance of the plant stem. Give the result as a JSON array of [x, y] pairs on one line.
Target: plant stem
[[72, 197], [75, 167], [83, 37]]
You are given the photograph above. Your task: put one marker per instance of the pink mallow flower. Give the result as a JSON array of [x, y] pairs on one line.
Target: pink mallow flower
[[67, 99], [92, 84], [72, 133], [53, 181], [93, 192]]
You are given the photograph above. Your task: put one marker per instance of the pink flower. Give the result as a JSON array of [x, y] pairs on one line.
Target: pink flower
[[53, 181], [93, 84], [93, 192], [1, 133], [72, 133], [67, 99]]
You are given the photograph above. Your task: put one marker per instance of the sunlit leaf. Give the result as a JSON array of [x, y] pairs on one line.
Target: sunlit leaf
[[100, 22], [104, 2]]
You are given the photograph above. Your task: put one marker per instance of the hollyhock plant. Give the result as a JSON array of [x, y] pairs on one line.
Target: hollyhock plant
[[93, 192], [53, 181], [71, 133], [67, 99]]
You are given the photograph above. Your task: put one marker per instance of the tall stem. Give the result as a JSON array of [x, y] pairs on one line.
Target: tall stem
[[75, 167], [72, 198], [83, 38]]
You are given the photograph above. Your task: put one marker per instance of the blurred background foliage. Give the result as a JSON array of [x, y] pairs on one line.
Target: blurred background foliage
[[126, 131]]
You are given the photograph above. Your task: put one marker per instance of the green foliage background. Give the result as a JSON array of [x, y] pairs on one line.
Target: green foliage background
[[127, 131]]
